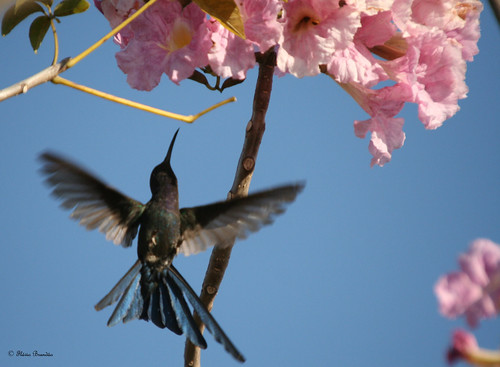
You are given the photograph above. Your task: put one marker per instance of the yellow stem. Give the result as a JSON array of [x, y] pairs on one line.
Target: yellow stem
[[56, 42], [484, 357], [52, 25], [140, 106], [122, 25], [217, 105]]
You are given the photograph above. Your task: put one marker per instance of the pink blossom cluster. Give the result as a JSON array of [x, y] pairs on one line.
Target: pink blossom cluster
[[474, 291], [384, 53]]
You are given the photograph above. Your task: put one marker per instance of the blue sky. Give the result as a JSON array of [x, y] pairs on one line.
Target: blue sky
[[344, 278]]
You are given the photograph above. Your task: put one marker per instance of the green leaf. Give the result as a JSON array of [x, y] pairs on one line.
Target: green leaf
[[21, 2], [68, 7], [17, 13], [38, 29], [47, 2], [226, 12]]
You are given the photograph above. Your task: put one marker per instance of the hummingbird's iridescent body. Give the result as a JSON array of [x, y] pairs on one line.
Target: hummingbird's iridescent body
[[153, 289]]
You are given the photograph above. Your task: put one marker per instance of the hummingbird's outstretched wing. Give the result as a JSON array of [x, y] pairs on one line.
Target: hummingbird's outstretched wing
[[94, 204], [222, 222]]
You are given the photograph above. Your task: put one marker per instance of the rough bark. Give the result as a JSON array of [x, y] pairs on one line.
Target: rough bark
[[255, 128]]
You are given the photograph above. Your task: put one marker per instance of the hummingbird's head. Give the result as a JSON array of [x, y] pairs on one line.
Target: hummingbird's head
[[163, 177]]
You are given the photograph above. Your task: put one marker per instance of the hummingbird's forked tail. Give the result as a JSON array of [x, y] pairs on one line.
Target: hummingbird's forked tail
[[149, 294]]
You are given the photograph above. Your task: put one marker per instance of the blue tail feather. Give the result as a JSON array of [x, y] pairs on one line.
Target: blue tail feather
[[120, 287], [148, 294], [184, 317], [169, 316], [205, 316], [122, 309], [154, 310], [135, 309]]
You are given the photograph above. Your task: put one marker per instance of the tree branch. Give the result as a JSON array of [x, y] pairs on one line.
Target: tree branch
[[41, 77], [219, 259], [52, 74]]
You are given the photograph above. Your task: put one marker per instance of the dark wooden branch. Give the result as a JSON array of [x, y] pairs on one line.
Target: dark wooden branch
[[46, 75], [219, 259]]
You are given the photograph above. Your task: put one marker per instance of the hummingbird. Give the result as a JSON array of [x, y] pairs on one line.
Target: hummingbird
[[153, 289]]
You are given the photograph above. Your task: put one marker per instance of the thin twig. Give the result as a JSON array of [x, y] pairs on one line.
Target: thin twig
[[52, 74], [137, 105], [54, 33], [41, 77], [219, 259]]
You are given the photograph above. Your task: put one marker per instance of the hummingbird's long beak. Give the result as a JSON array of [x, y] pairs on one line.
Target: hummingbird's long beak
[[169, 153]]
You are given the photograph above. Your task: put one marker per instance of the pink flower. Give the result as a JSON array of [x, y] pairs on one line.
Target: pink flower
[[475, 290], [464, 347], [382, 105], [313, 31], [456, 293], [167, 39], [230, 55], [440, 36], [435, 71], [426, 59], [356, 64], [387, 135], [260, 19], [116, 11], [376, 29], [422, 46], [459, 19]]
